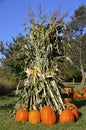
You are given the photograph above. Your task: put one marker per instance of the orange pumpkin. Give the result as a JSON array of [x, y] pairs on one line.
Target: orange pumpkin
[[21, 115], [84, 89], [84, 95], [79, 96], [74, 109], [76, 113], [75, 95], [67, 100], [66, 116], [48, 116], [69, 89], [34, 116], [71, 106], [81, 91]]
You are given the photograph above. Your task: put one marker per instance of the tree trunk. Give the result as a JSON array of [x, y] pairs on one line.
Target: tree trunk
[[83, 79]]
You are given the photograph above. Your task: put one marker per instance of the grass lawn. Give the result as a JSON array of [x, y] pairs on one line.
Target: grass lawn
[[8, 123]]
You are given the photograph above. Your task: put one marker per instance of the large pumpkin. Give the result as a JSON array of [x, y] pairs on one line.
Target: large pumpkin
[[76, 113], [48, 116], [34, 116], [74, 109], [21, 115], [66, 116], [71, 106]]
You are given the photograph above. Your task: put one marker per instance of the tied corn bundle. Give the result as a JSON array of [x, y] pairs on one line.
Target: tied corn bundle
[[43, 83]]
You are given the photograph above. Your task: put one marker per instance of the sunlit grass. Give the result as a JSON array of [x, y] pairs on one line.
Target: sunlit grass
[[9, 123]]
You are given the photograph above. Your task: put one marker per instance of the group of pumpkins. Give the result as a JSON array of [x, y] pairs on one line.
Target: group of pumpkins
[[48, 116], [80, 93], [74, 95], [69, 96]]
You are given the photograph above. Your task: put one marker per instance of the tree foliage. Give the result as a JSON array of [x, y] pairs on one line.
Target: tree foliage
[[78, 22], [14, 56], [77, 36]]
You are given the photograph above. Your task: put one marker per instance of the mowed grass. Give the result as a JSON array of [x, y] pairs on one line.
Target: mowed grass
[[9, 123]]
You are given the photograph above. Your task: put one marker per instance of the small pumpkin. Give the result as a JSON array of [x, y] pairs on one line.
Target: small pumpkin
[[48, 116], [34, 116], [21, 115], [75, 95], [66, 116], [81, 91], [79, 96], [84, 89], [67, 100], [84, 95], [69, 89]]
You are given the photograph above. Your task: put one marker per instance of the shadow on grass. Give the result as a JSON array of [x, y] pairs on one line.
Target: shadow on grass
[[80, 103], [6, 107], [7, 102]]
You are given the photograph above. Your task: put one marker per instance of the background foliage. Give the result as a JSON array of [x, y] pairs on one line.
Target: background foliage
[[14, 56]]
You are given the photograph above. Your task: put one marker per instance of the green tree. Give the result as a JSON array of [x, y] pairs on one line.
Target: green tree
[[77, 36], [78, 22], [14, 56], [7, 81]]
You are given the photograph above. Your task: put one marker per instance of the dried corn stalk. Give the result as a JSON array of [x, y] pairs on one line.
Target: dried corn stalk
[[43, 83]]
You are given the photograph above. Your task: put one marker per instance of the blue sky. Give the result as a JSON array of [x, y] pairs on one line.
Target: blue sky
[[13, 13]]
